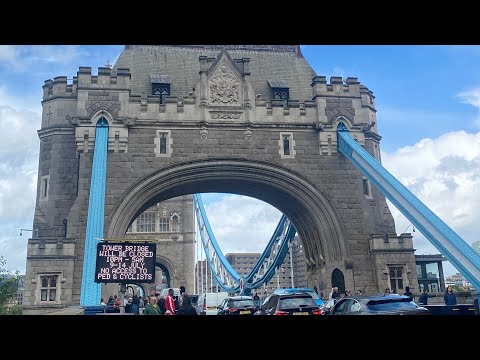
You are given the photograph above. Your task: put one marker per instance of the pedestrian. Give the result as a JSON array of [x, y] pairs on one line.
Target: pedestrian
[[423, 299], [161, 305], [449, 297], [387, 291], [359, 292], [186, 308], [135, 304], [170, 303], [409, 293], [331, 294], [152, 307], [256, 297], [335, 293]]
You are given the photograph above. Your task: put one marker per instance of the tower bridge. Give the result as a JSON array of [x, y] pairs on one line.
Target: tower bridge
[[167, 122]]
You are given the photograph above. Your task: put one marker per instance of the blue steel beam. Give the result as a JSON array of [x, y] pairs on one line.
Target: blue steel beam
[[227, 278], [225, 275], [266, 253], [278, 260], [91, 291], [449, 243]]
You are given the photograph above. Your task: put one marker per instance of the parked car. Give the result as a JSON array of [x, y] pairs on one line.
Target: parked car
[[289, 304], [386, 304], [310, 291], [237, 305]]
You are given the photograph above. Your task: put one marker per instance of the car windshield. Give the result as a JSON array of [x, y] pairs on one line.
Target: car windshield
[[391, 305], [296, 302], [241, 303]]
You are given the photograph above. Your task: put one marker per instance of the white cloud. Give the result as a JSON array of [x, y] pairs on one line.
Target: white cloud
[[472, 97], [444, 173], [21, 58], [19, 146], [242, 224], [8, 54]]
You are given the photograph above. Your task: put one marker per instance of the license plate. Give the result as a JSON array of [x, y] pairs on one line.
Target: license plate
[[245, 312], [300, 313], [211, 307]]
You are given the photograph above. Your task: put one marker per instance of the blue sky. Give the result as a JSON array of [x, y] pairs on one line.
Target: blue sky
[[428, 102]]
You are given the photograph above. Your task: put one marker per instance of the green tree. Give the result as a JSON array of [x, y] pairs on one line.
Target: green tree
[[8, 289]]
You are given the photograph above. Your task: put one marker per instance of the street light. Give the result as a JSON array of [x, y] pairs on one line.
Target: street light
[[413, 227], [34, 230]]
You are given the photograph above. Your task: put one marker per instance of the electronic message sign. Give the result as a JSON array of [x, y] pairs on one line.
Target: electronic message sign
[[125, 262]]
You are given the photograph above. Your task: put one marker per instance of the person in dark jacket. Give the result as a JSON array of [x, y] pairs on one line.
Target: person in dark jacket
[[423, 299], [409, 293], [449, 297], [186, 308], [161, 305]]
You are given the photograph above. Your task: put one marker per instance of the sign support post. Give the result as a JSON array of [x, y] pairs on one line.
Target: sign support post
[[123, 289]]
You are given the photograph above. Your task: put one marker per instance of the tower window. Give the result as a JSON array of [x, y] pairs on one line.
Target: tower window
[[163, 143], [280, 90], [48, 291], [396, 277], [146, 222], [44, 187], [367, 188], [287, 146], [164, 224], [160, 86]]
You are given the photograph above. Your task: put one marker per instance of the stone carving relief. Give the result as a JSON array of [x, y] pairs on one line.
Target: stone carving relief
[[72, 120], [248, 134], [203, 133], [225, 115], [130, 121], [224, 86]]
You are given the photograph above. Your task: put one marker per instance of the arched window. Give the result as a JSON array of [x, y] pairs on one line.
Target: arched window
[[175, 221]]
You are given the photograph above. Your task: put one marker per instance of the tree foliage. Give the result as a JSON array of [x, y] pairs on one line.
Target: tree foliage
[[8, 289]]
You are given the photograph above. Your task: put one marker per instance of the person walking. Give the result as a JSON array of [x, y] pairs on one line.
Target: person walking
[[152, 307], [423, 299], [169, 303], [449, 297], [186, 308], [409, 293]]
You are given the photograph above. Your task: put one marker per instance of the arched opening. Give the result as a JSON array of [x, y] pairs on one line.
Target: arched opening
[[314, 217], [338, 280]]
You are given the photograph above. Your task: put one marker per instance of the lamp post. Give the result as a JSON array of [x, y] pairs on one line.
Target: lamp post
[[413, 228], [34, 230]]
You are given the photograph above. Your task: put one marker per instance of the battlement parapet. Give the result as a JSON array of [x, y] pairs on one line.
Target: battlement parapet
[[391, 243], [349, 87], [106, 79]]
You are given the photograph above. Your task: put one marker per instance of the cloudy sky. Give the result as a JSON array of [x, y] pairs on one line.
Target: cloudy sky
[[428, 102]]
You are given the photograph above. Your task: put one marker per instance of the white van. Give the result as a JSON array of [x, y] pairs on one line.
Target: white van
[[208, 302]]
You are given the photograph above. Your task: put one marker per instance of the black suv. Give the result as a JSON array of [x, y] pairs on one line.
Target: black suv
[[392, 304], [237, 305], [289, 304]]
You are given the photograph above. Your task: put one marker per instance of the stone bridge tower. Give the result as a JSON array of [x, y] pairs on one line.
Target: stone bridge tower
[[253, 120]]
